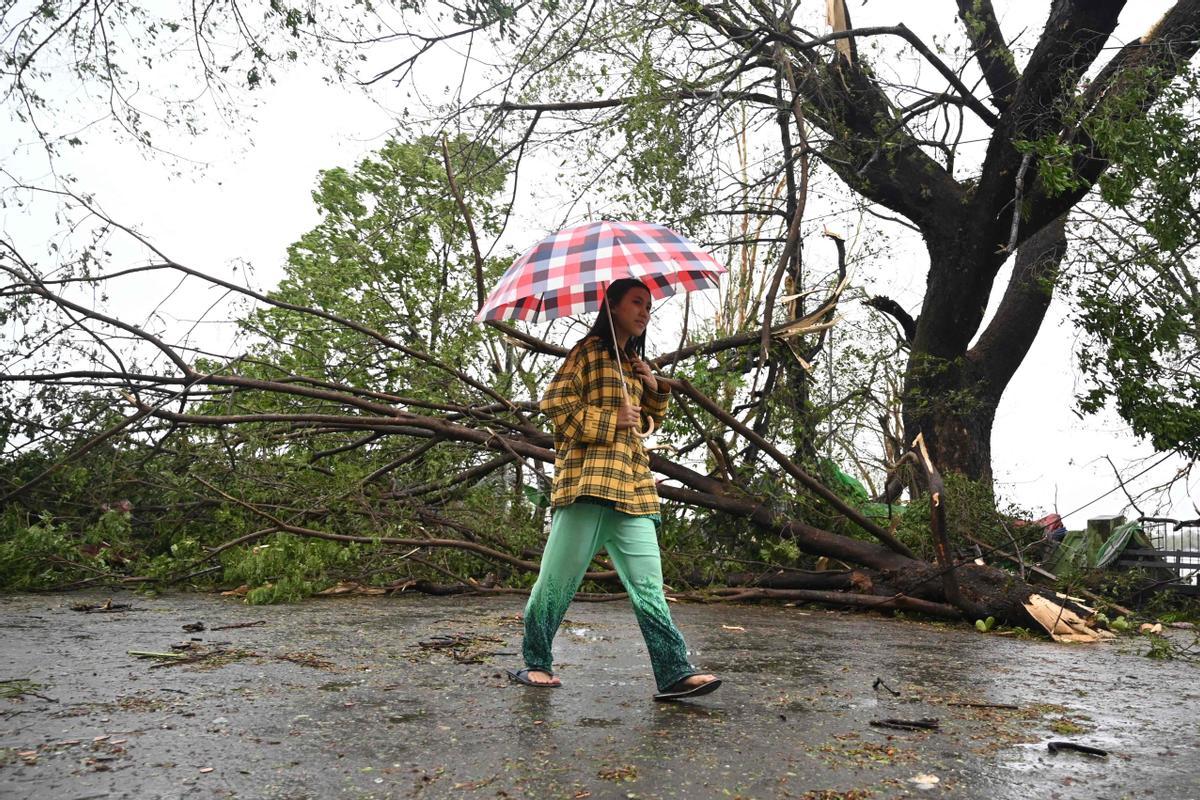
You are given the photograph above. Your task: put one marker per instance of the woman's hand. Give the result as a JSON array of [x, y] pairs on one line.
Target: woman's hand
[[643, 371], [629, 417]]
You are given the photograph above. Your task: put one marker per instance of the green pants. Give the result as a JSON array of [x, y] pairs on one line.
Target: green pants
[[576, 534]]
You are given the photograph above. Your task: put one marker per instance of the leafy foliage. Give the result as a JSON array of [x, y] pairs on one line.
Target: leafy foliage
[[1136, 279], [390, 253], [974, 522], [287, 567], [46, 553]]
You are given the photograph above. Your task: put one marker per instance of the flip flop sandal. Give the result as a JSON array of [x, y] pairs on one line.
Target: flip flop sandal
[[521, 676], [680, 690]]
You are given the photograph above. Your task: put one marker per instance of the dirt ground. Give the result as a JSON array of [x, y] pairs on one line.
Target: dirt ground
[[402, 697]]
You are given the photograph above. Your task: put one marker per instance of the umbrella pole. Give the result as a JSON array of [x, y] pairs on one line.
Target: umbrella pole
[[621, 370]]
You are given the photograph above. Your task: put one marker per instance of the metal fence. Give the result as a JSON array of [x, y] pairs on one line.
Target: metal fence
[[1176, 547]]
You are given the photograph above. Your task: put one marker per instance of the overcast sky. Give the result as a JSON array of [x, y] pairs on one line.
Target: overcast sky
[[250, 198]]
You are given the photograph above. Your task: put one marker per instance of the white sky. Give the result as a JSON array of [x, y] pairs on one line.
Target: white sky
[[253, 199]]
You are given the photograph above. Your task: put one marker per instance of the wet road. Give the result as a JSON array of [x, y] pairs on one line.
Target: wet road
[[405, 697]]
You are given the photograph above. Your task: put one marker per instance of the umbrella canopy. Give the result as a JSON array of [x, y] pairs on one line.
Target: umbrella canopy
[[567, 273]]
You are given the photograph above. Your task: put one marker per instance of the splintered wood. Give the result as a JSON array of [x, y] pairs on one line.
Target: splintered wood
[[1063, 624]]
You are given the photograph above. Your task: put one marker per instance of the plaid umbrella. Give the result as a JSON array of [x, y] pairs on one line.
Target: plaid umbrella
[[567, 273]]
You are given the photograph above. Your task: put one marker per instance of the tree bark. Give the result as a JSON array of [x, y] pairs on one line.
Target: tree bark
[[952, 392]]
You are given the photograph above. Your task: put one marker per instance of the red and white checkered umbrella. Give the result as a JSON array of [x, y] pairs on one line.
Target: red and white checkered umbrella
[[567, 273]]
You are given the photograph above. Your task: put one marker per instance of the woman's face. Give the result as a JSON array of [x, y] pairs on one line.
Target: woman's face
[[631, 314]]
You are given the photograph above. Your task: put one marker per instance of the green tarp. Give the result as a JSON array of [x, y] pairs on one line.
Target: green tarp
[[1092, 549], [853, 490]]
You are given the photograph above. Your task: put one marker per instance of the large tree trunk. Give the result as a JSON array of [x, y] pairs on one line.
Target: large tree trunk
[[961, 438], [952, 391]]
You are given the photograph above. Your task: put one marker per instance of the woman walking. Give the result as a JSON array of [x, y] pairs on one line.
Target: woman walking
[[604, 495]]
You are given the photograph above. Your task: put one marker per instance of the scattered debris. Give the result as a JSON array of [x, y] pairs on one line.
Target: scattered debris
[[927, 724], [1055, 747], [1146, 627], [194, 653], [107, 607], [307, 660], [880, 684], [159, 656], [738, 628], [350, 587], [14, 688], [479, 784], [850, 749], [626, 773], [833, 794], [463, 648], [254, 624], [194, 627], [97, 755], [1006, 706]]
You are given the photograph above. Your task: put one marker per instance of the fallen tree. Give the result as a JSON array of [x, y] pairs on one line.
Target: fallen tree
[[185, 397]]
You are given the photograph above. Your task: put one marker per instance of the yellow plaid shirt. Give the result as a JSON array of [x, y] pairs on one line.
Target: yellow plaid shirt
[[593, 458]]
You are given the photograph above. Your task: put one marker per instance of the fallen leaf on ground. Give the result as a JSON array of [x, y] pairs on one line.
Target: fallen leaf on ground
[[627, 773]]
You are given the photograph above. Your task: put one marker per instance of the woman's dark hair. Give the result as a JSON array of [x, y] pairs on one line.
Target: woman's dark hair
[[602, 327]]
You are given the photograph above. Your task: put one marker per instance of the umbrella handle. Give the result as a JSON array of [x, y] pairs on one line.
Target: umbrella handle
[[649, 429]]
